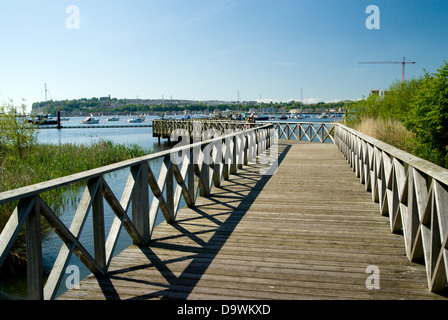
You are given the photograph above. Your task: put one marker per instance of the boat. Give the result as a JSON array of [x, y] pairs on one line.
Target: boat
[[113, 118], [283, 117], [262, 118], [43, 120], [136, 119], [90, 120]]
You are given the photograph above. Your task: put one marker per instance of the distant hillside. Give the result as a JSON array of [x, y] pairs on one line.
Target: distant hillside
[[109, 105]]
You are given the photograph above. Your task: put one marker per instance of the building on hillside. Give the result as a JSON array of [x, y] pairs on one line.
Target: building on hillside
[[378, 92]]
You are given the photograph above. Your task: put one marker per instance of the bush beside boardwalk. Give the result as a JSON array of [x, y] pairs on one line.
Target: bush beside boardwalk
[[412, 116]]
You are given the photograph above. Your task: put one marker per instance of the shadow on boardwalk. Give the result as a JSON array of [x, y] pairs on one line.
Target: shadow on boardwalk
[[221, 213]]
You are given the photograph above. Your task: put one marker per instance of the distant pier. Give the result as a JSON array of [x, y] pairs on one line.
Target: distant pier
[[196, 128]]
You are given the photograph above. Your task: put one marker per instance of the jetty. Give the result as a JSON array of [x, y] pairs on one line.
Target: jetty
[[196, 129], [281, 211]]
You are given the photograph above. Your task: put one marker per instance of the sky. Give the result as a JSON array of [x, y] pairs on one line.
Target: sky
[[214, 49]]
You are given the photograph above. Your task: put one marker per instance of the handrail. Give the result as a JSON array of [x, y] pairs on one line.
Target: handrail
[[201, 165], [301, 131], [305, 131], [411, 191], [195, 127]]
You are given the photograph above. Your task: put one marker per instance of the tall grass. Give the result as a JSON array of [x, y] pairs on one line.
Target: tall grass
[[393, 132], [390, 131], [44, 162]]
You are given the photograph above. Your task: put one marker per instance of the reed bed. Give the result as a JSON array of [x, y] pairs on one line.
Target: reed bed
[[44, 162]]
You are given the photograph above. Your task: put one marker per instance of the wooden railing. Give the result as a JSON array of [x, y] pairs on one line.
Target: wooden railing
[[305, 131], [187, 170], [195, 127], [300, 131], [411, 191]]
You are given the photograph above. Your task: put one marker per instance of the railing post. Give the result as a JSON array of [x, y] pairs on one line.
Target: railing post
[[34, 254], [240, 139], [190, 177], [169, 189], [205, 172], [140, 202], [246, 149], [257, 136], [217, 163], [99, 235], [234, 165], [253, 147], [226, 159]]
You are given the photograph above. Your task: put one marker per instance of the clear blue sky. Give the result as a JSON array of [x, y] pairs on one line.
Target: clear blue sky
[[211, 49]]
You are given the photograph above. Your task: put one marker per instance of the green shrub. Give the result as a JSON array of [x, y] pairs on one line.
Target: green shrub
[[17, 135], [428, 116], [421, 105]]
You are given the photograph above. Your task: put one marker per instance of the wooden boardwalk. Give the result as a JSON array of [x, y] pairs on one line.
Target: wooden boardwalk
[[307, 232]]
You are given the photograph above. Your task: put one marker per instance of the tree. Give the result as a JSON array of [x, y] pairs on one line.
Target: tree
[[17, 134]]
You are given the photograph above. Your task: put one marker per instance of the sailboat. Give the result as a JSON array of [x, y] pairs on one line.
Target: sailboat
[[41, 119]]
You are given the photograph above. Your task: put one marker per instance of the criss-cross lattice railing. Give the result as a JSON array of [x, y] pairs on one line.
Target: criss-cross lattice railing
[[305, 131], [195, 127], [411, 191], [186, 171]]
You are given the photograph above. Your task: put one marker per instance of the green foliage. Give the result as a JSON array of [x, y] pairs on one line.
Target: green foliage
[[428, 116], [17, 135], [395, 104], [421, 105]]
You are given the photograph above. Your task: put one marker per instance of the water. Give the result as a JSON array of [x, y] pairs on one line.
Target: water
[[130, 134], [141, 136]]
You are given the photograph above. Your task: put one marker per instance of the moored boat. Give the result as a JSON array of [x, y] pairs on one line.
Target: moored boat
[[90, 120], [136, 119], [113, 118], [43, 120], [262, 118]]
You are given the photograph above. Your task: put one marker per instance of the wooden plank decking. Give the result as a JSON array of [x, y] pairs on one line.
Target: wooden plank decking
[[307, 232]]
